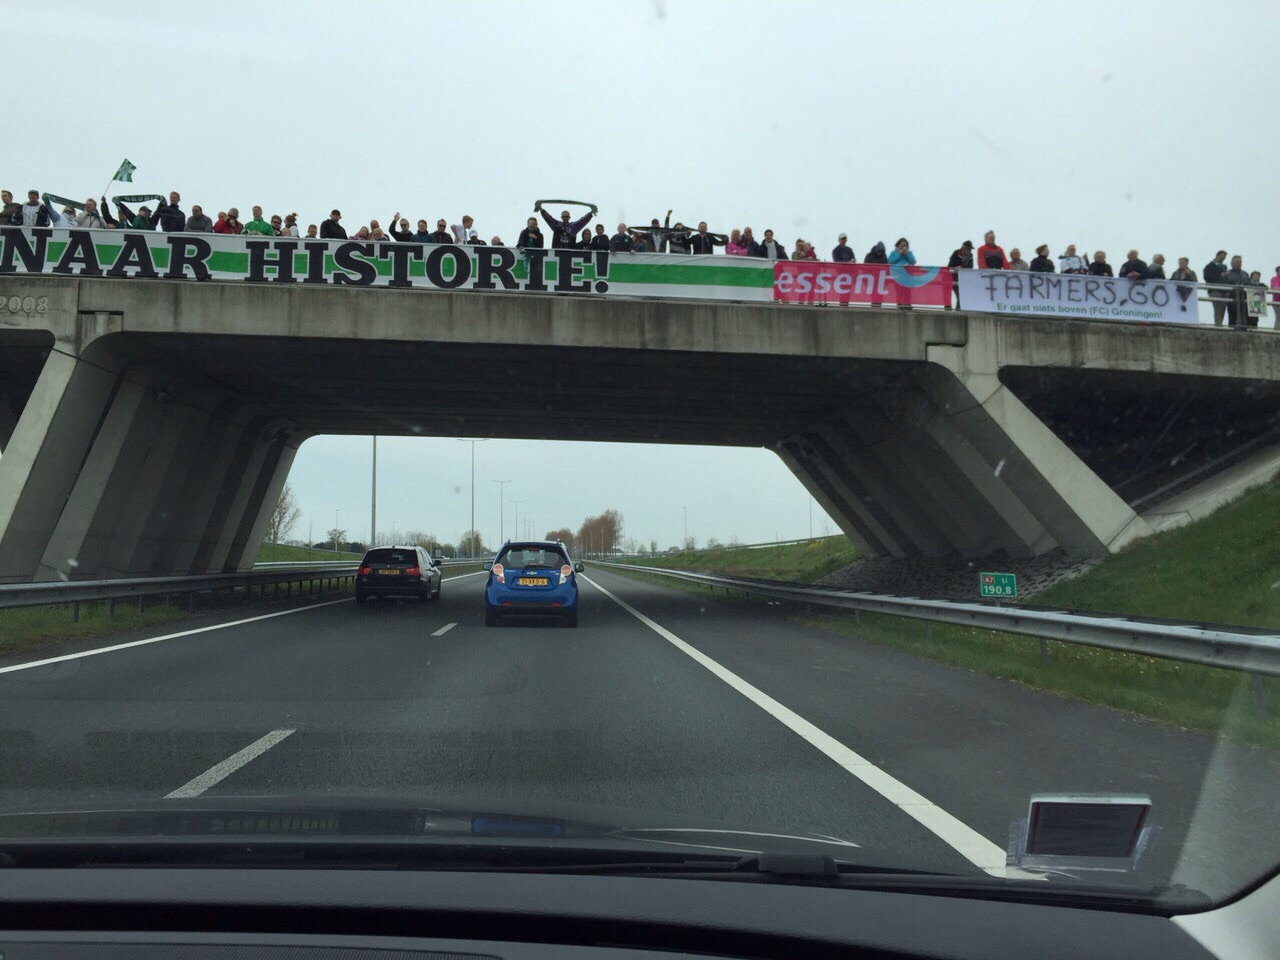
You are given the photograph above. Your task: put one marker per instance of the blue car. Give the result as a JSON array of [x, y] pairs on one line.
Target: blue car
[[532, 578]]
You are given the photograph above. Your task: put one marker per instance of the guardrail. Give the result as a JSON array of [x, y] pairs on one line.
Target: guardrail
[[269, 564], [317, 579], [1215, 645], [313, 576]]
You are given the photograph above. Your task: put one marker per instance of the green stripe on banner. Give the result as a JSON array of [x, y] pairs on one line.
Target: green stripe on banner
[[691, 275], [226, 261]]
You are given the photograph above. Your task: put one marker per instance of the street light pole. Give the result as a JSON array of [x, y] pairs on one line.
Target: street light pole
[[335, 530], [502, 523], [373, 497], [517, 520], [473, 443], [685, 544]]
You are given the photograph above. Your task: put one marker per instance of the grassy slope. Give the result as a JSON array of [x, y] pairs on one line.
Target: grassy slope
[[270, 552], [796, 562], [1224, 569]]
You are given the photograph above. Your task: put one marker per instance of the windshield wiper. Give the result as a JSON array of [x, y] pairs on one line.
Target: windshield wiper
[[363, 853]]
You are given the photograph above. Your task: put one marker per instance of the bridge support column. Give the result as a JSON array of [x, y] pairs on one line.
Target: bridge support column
[[48, 445], [897, 498], [113, 468], [157, 493], [8, 418], [232, 480], [262, 501], [852, 503], [950, 462], [914, 461], [790, 454], [199, 485], [1077, 510]]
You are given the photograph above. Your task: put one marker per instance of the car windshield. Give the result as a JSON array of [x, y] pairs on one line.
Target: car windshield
[[927, 502]]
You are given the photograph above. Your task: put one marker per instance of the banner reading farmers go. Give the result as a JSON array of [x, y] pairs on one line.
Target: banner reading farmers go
[[1077, 295], [811, 281]]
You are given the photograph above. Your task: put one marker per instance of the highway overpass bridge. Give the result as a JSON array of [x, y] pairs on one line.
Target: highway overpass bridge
[[148, 425]]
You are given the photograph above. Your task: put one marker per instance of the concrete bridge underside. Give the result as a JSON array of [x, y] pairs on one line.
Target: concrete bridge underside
[[148, 427]]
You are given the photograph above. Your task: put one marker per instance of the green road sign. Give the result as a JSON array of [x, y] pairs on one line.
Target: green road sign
[[997, 585]]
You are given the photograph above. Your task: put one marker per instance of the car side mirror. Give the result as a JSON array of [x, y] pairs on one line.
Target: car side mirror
[[580, 567], [488, 564], [435, 563]]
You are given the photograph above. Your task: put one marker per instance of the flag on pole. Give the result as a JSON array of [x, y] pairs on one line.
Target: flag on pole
[[125, 172]]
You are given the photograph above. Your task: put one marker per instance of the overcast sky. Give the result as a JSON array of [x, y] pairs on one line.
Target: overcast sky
[[1148, 125]]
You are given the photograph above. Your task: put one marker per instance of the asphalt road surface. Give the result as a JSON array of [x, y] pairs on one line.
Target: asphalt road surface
[[663, 706]]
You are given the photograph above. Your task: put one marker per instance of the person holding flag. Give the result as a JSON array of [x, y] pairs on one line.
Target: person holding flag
[[564, 234], [170, 215]]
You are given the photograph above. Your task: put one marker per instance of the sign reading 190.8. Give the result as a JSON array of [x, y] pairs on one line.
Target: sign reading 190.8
[[997, 585]]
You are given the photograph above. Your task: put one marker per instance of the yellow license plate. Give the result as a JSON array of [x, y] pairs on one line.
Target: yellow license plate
[[532, 581], [392, 572]]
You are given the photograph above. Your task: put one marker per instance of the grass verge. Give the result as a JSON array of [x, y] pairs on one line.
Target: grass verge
[[277, 552], [1222, 569], [794, 562], [32, 626]]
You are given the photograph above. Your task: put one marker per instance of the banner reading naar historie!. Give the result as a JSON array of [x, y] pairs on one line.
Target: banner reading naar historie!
[[1078, 295]]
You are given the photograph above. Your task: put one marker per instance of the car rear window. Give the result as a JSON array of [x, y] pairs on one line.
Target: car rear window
[[524, 557], [389, 555]]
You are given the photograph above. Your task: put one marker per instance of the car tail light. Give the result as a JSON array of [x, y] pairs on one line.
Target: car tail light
[[365, 571], [564, 573], [413, 571], [498, 573]]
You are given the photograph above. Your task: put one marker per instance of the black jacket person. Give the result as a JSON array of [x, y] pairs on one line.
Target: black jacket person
[[564, 232]]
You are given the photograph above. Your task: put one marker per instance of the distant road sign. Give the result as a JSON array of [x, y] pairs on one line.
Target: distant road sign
[[997, 585]]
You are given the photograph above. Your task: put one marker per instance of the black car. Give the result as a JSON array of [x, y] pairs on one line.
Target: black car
[[398, 572]]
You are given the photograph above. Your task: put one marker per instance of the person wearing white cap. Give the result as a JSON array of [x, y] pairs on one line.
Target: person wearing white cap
[[842, 253]]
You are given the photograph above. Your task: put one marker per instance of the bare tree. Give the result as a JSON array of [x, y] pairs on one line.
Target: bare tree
[[471, 545], [284, 516], [566, 536], [336, 536]]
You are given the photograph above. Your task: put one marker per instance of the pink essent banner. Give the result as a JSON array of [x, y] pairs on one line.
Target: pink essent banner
[[813, 281]]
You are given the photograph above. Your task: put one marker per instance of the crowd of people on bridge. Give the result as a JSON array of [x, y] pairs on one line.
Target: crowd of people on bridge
[[569, 232]]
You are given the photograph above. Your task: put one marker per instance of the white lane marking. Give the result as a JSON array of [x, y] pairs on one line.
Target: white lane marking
[[168, 636], [187, 633], [966, 841], [219, 772], [445, 629]]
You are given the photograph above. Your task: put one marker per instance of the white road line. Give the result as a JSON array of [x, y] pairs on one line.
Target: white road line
[[220, 771], [445, 629], [187, 633], [970, 844], [168, 636]]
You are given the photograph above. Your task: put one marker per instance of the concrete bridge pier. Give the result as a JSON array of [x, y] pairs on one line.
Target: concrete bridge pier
[[948, 461], [121, 466], [50, 441]]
